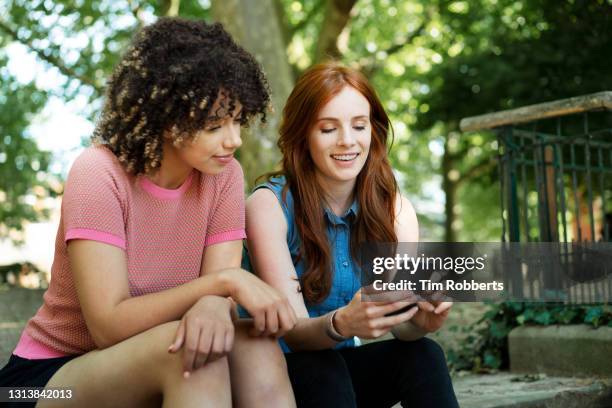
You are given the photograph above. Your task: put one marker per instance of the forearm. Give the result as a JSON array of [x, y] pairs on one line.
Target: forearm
[[134, 315], [310, 334]]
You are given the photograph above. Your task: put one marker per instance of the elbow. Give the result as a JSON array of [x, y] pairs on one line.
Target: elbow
[[103, 335], [102, 339]]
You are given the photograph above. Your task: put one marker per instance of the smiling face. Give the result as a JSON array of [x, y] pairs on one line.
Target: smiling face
[[339, 141], [213, 147]]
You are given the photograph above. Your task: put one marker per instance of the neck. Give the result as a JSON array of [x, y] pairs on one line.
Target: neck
[[338, 194], [173, 171]]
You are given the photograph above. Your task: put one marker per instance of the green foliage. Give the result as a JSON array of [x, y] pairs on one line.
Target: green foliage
[[79, 41], [22, 165], [494, 55], [486, 344], [432, 62]]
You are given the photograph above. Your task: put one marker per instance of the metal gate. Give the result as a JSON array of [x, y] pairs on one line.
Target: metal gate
[[555, 170]]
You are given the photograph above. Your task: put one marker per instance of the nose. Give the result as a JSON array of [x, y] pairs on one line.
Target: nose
[[232, 138], [346, 137]]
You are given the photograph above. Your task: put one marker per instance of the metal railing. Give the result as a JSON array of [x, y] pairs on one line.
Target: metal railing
[[555, 170]]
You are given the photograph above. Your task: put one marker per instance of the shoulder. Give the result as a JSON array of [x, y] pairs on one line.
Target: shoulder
[[96, 163], [406, 223], [275, 187], [264, 206], [96, 156], [263, 200]]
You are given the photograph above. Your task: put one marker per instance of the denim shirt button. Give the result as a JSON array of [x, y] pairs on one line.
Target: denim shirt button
[[345, 264]]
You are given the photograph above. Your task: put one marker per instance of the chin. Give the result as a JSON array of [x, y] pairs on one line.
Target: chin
[[344, 176], [212, 170]]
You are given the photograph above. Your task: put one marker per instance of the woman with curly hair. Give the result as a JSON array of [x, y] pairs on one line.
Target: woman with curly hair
[[334, 192], [140, 309]]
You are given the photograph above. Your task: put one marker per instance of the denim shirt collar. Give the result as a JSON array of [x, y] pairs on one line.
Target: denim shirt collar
[[344, 219]]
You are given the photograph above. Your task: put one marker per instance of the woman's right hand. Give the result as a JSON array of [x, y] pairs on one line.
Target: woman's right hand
[[272, 314], [368, 320], [205, 333]]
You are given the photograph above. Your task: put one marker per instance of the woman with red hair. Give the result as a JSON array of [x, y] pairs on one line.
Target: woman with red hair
[[335, 191]]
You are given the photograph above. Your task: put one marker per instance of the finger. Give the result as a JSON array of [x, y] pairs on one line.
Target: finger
[[443, 307], [259, 321], [258, 327], [178, 338], [399, 296], [439, 297], [390, 321], [379, 311], [285, 320], [192, 338], [426, 306], [271, 321], [203, 353], [217, 349], [393, 296], [229, 339]]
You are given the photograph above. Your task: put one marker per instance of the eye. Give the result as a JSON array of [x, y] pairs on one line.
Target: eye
[[329, 130], [359, 128], [213, 128]]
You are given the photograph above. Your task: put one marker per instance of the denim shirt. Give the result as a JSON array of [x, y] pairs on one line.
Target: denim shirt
[[346, 280]]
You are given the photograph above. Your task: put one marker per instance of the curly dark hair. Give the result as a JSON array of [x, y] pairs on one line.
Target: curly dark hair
[[168, 81]]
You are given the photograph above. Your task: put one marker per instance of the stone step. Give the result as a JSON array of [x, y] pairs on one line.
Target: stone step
[[507, 390], [574, 350]]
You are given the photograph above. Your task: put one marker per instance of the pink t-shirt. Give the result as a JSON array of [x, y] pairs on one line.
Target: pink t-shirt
[[163, 233]]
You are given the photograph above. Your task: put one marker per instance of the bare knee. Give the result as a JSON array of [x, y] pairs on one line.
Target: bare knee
[[253, 355], [258, 351], [140, 370]]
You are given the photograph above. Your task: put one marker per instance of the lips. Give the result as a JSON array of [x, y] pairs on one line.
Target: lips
[[224, 158], [344, 156]]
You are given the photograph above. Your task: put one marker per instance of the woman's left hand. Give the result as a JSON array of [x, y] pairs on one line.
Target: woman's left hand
[[431, 315]]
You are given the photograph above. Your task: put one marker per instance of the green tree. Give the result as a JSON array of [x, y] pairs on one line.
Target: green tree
[[23, 182], [498, 55], [432, 62]]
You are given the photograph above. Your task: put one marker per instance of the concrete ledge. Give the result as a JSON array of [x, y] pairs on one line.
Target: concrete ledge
[[17, 306], [576, 350], [505, 390]]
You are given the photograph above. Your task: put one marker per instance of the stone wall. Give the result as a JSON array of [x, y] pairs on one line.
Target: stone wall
[[17, 305]]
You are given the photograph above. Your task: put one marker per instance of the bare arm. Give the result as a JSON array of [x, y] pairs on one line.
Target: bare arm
[[430, 317], [111, 314], [407, 230], [271, 260], [267, 231]]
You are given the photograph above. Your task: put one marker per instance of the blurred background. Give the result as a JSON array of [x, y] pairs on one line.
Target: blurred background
[[433, 62]]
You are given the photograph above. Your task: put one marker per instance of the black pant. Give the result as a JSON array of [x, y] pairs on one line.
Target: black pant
[[375, 375]]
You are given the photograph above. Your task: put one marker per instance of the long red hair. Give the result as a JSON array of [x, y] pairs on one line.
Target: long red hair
[[375, 188]]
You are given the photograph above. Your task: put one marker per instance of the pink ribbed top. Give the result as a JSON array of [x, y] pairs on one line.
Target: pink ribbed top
[[163, 233]]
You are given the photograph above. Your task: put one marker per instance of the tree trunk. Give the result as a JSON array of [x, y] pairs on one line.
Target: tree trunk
[[337, 15], [449, 186], [255, 26]]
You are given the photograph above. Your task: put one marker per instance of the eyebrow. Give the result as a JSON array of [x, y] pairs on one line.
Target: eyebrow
[[336, 119], [213, 118]]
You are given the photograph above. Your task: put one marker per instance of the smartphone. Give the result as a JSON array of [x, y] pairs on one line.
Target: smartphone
[[402, 310]]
